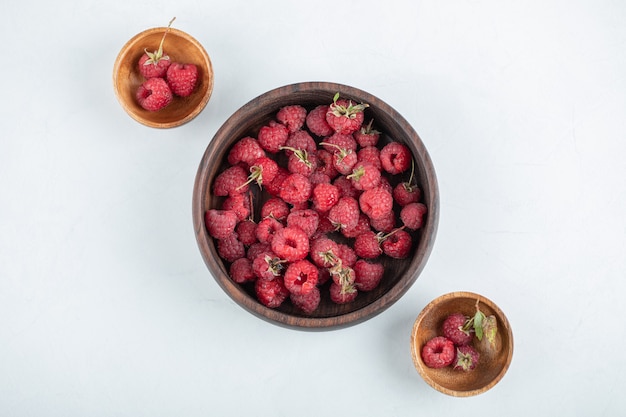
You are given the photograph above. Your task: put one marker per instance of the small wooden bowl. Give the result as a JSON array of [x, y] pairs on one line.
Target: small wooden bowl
[[399, 274], [180, 47], [492, 365]]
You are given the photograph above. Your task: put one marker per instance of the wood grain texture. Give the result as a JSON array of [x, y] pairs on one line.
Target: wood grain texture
[[492, 365], [180, 47], [399, 274]]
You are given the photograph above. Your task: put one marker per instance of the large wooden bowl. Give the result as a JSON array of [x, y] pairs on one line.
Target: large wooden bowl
[[181, 47], [493, 364], [399, 274]]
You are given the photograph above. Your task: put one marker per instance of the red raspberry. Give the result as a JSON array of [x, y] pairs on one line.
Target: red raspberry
[[306, 219], [241, 271], [233, 180], [325, 164], [275, 207], [239, 203], [316, 121], [267, 266], [368, 275], [230, 248], [466, 358], [347, 255], [397, 244], [246, 150], [246, 230], [296, 189], [308, 302], [155, 64], [318, 178], [154, 94], [367, 245], [453, 329], [384, 224], [290, 244], [267, 228], [182, 78], [344, 116], [404, 193], [343, 276], [366, 135], [324, 197], [301, 162], [325, 226], [271, 293], [301, 277], [343, 160], [274, 187], [364, 176], [324, 252], [395, 158], [438, 352], [370, 154], [346, 189], [263, 170], [220, 223], [292, 116], [340, 295], [345, 214], [339, 141], [300, 139], [412, 215], [256, 249], [362, 226], [272, 136], [376, 202]]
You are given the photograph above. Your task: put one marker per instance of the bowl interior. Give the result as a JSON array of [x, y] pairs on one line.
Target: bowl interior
[[180, 47], [399, 274], [492, 365]]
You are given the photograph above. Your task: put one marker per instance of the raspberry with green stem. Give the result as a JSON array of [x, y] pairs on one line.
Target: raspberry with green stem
[[156, 56]]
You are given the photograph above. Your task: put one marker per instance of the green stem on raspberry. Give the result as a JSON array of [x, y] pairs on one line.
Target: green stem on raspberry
[[301, 154], [157, 55], [382, 237], [342, 151], [256, 175], [357, 173], [408, 186], [349, 111]]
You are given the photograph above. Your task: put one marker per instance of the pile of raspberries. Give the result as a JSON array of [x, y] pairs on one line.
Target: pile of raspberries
[[328, 209]]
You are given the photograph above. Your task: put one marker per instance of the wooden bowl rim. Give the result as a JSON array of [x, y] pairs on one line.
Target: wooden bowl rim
[[124, 51], [416, 350], [316, 323]]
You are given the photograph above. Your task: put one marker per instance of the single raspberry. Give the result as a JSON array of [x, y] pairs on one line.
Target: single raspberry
[[275, 207], [246, 150], [344, 276], [368, 275], [296, 189], [397, 244], [301, 277], [272, 136], [345, 214], [262, 170], [325, 163], [306, 219], [155, 64], [405, 193], [231, 181], [324, 252], [290, 244], [324, 197], [154, 94], [246, 230], [271, 293], [300, 139], [367, 135], [339, 141], [344, 160], [364, 176], [220, 223], [453, 329], [344, 116], [301, 161], [466, 358], [385, 223], [292, 116], [273, 187], [395, 158], [308, 302], [438, 352], [340, 295], [318, 177], [316, 121], [267, 266], [241, 271], [182, 78], [238, 203], [367, 245], [347, 255], [412, 215], [362, 226], [370, 154], [230, 248], [376, 202], [267, 228], [256, 249], [346, 189]]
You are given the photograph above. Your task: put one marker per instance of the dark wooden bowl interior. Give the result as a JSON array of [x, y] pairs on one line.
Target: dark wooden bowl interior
[[399, 274], [180, 47], [492, 365]]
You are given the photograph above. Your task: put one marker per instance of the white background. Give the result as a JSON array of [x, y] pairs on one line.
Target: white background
[[107, 309]]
